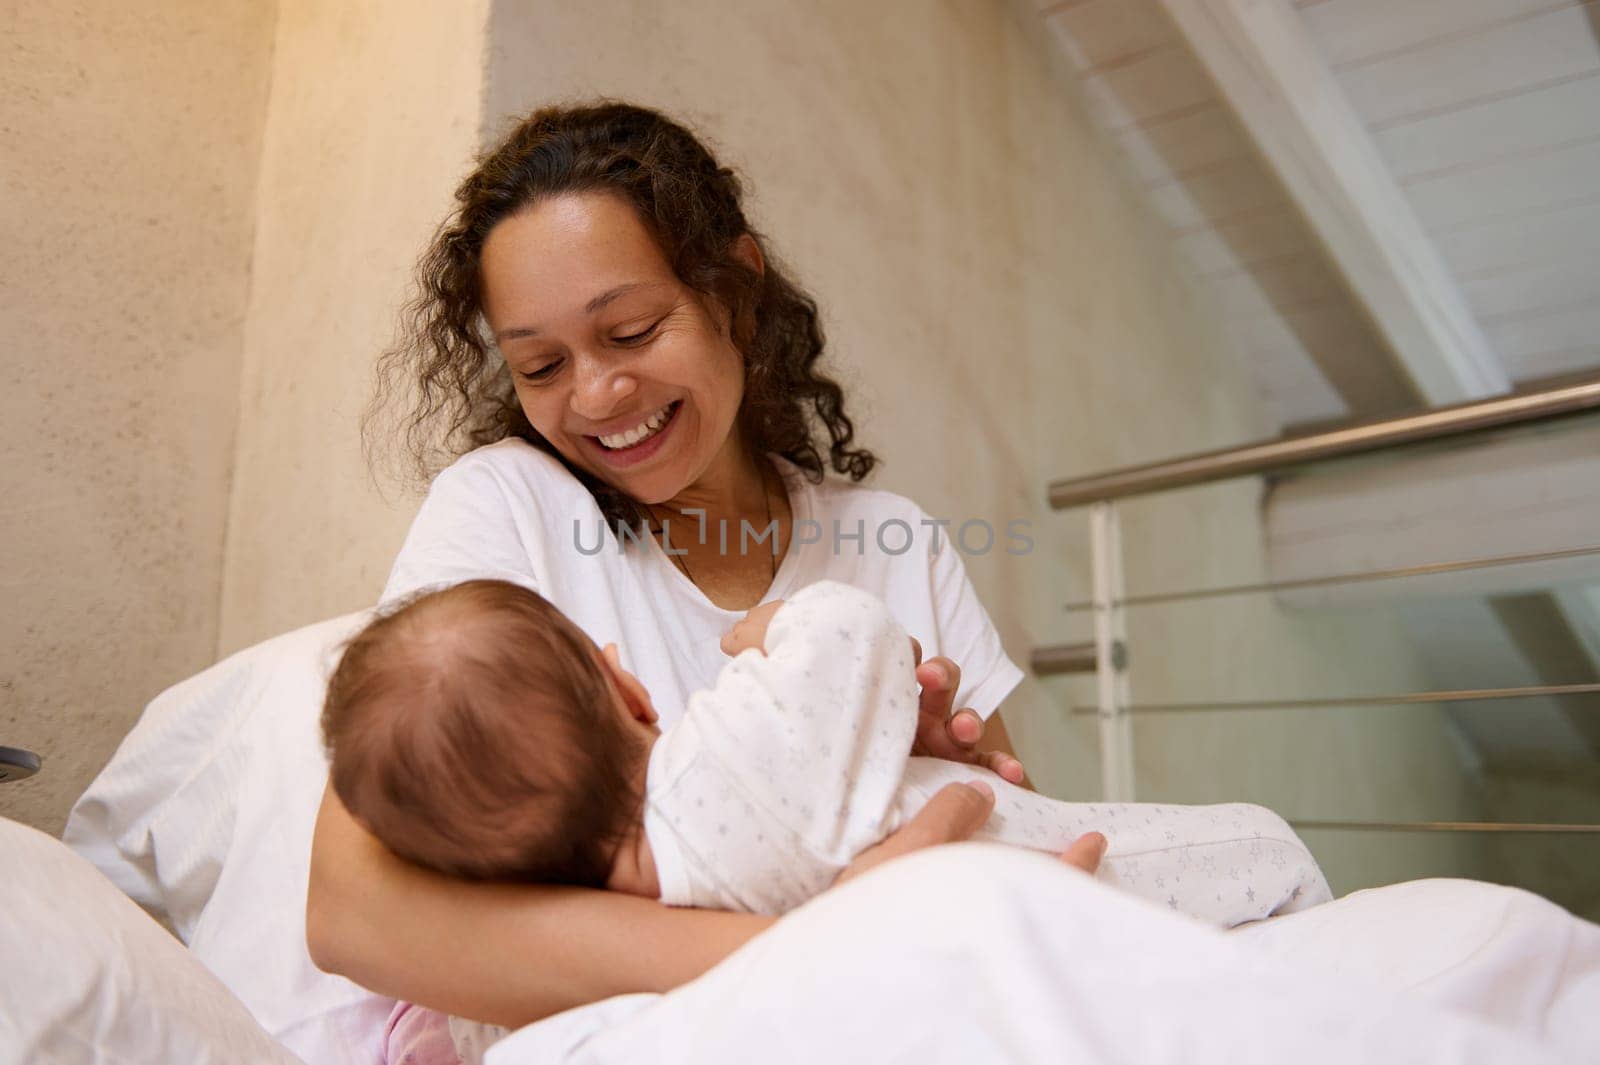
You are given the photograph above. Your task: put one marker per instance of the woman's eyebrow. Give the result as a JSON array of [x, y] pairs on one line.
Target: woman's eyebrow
[[519, 332]]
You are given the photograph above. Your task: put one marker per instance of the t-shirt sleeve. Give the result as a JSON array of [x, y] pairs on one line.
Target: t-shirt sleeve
[[468, 527], [967, 636]]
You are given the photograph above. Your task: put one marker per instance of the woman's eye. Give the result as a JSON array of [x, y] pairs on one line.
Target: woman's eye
[[635, 338], [542, 373]]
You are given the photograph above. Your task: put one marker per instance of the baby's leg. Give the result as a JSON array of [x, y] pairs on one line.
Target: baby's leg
[[1225, 864]]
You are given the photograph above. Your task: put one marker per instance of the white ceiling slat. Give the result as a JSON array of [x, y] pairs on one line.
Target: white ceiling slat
[[1356, 31], [1516, 240], [1548, 329], [1549, 342], [1294, 385], [1456, 74], [1525, 183], [1266, 66], [1560, 362], [1216, 196], [1163, 151], [1047, 8], [1536, 287], [1105, 31], [1162, 83], [1294, 388], [1496, 130], [1232, 247], [1323, 332], [1294, 284]]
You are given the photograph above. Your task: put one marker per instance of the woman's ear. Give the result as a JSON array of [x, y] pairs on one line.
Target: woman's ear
[[634, 694], [748, 251]]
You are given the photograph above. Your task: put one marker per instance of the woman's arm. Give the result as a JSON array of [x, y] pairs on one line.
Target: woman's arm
[[504, 953], [512, 954]]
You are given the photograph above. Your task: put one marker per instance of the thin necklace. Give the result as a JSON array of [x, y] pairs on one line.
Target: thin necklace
[[681, 558]]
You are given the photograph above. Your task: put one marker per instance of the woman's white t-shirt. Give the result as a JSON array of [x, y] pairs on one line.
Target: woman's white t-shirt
[[513, 512]]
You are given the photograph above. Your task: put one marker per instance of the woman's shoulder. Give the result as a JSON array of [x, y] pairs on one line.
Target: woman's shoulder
[[513, 468], [513, 454], [839, 497], [498, 511]]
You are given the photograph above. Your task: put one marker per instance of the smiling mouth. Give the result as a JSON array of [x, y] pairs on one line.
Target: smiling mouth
[[646, 429]]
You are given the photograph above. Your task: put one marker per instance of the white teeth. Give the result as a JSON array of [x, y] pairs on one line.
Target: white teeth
[[644, 429]]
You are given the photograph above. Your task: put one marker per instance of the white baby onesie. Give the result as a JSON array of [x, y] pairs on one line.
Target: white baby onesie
[[796, 760]]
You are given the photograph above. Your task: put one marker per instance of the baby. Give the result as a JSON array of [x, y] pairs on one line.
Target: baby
[[478, 731]]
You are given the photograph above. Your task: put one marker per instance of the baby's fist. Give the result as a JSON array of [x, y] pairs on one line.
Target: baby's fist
[[750, 630]]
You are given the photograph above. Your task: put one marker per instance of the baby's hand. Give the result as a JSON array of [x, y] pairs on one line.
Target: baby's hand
[[750, 630]]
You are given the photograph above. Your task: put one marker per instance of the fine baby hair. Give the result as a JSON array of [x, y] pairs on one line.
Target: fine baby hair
[[474, 730]]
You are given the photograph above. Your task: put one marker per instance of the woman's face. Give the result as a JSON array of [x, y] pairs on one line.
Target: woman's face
[[616, 362]]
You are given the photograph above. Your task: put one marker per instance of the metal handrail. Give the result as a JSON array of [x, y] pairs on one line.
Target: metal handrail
[[1115, 708], [1057, 658], [1462, 695], [1270, 455], [1444, 826], [1426, 569]]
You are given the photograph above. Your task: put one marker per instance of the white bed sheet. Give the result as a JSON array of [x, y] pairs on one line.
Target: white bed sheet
[[205, 813], [87, 978], [1033, 963]]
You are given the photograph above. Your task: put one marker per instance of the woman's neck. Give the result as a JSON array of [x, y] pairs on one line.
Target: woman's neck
[[734, 486]]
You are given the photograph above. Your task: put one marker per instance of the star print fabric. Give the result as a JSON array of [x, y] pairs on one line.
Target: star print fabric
[[797, 760]]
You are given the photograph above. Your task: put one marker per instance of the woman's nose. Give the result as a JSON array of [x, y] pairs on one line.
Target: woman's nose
[[600, 390]]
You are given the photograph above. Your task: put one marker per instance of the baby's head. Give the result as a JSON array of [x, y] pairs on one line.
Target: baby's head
[[478, 731]]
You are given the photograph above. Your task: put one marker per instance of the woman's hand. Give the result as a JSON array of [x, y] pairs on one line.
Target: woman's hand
[[953, 737], [953, 815]]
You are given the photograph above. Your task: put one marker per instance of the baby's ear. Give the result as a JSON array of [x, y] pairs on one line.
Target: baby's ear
[[635, 693]]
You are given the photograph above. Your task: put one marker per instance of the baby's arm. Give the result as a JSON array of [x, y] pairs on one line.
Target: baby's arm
[[749, 633], [819, 723]]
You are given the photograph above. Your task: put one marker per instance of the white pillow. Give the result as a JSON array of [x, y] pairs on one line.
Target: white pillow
[[87, 977], [205, 814]]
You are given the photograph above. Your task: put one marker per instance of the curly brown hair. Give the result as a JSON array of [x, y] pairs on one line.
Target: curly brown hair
[[459, 391]]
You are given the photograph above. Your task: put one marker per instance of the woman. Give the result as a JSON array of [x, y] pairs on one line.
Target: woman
[[599, 312]]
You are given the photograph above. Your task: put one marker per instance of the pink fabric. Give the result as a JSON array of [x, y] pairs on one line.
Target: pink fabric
[[418, 1036]]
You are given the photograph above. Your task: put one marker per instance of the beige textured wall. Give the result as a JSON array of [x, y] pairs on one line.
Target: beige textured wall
[[1008, 314], [373, 117], [129, 136], [994, 292]]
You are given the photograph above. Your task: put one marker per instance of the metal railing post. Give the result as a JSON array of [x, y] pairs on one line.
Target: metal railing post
[[1111, 667]]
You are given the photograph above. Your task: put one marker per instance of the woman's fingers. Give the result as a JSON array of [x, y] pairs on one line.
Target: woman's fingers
[[938, 732], [1005, 765], [953, 737], [1086, 852], [952, 815], [965, 727], [939, 678]]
